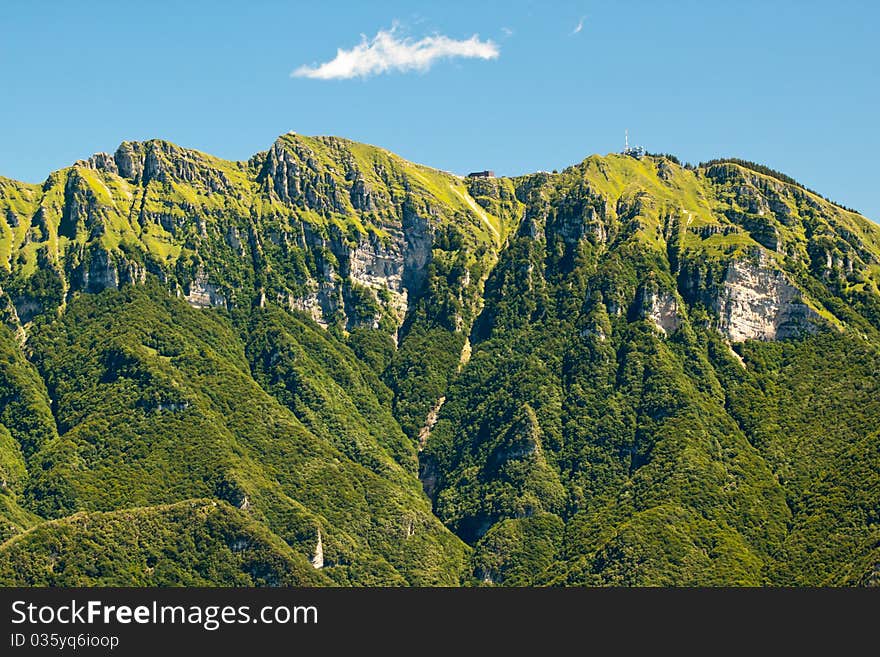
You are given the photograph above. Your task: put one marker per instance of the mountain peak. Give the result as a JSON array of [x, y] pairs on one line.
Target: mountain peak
[[163, 202]]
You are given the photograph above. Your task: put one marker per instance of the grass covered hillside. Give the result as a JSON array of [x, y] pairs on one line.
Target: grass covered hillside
[[655, 395], [329, 366], [156, 403]]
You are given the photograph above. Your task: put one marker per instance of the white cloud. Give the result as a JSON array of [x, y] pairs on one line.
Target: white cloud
[[386, 52], [579, 26], [508, 32]]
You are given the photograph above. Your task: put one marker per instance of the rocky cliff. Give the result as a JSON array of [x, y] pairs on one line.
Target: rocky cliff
[[349, 233], [342, 231]]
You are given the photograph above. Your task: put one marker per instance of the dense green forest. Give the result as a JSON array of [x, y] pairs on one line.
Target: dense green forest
[[329, 366]]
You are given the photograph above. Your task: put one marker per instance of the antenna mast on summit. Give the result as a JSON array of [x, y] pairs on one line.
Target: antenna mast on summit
[[636, 151]]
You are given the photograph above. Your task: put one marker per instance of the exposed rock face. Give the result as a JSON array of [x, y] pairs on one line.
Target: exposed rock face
[[203, 294], [391, 270], [318, 558], [367, 272], [293, 175], [750, 298], [159, 160], [756, 302], [321, 303], [709, 230], [103, 162], [128, 161], [581, 216], [101, 273], [379, 266], [660, 307], [131, 272], [394, 268], [171, 406], [430, 421], [362, 196], [375, 264], [418, 242]]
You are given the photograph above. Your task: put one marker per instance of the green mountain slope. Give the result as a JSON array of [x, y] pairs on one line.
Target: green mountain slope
[[192, 543], [632, 373], [603, 396], [156, 402]]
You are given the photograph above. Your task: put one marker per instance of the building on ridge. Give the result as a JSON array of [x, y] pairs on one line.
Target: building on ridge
[[633, 151]]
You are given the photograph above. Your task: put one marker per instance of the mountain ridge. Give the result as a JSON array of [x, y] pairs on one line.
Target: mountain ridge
[[140, 162], [596, 376]]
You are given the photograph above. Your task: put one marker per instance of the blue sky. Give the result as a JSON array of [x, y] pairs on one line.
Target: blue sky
[[794, 85]]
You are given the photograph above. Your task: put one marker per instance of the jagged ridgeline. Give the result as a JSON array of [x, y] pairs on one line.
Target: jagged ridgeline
[[328, 365]]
